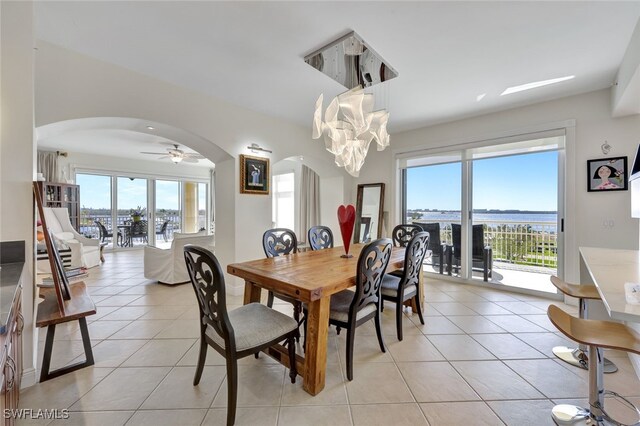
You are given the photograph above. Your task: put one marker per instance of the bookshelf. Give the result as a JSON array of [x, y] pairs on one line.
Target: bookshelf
[[66, 195]]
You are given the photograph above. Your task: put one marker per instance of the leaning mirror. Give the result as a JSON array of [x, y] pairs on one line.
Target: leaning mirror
[[369, 208]]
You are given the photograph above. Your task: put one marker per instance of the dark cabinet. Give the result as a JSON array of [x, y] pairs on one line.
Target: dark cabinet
[[63, 195], [11, 360]]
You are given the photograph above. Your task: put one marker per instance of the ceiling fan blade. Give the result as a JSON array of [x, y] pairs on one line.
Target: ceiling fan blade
[[154, 153], [189, 160], [194, 155]]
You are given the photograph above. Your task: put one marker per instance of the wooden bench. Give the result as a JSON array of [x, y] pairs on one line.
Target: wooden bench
[[49, 315]]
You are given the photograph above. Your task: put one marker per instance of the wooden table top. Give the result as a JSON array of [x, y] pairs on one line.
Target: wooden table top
[[310, 275]]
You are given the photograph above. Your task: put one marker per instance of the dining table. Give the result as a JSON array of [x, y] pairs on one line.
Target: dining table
[[310, 277]]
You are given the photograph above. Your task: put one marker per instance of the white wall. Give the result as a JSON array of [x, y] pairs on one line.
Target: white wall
[[76, 160], [332, 192], [594, 125], [17, 152], [70, 85]]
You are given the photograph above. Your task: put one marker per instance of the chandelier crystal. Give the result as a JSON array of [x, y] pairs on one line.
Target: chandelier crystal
[[350, 125]]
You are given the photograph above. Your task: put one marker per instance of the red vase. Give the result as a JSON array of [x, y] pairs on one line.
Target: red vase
[[346, 219]]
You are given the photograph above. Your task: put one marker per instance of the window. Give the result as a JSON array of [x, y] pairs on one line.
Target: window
[[283, 201]]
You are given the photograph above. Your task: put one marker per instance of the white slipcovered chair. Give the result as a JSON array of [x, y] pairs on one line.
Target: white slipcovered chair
[[167, 266], [84, 251]]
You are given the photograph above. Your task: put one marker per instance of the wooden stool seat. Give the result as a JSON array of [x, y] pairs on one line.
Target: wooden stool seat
[[577, 291], [596, 335], [603, 334]]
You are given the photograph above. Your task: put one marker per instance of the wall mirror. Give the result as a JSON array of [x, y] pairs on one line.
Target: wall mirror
[[369, 208]]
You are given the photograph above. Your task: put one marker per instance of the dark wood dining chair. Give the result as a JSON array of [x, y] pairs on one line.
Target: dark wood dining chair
[[279, 242], [401, 235], [320, 237], [406, 287], [349, 309], [236, 334]]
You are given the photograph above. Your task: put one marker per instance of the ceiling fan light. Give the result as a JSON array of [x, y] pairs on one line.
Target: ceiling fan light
[[176, 159]]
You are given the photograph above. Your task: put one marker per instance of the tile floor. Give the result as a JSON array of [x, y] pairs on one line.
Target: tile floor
[[482, 358]]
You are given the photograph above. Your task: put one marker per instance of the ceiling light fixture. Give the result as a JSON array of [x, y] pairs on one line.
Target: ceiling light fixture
[[176, 159], [536, 84], [254, 147], [150, 128], [350, 123]]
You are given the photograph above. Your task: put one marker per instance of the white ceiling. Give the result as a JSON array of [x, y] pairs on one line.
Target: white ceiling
[[446, 53], [122, 137]]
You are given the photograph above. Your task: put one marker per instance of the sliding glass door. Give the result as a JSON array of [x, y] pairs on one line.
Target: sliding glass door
[[496, 208], [433, 200], [132, 215], [96, 210], [168, 212]]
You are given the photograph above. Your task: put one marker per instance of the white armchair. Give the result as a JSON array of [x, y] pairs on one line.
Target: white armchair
[[168, 266], [84, 251]]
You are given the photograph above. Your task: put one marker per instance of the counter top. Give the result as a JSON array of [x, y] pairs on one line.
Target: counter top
[[610, 270], [9, 284]]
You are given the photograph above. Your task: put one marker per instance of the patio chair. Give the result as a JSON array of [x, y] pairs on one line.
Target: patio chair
[[481, 255], [139, 230], [163, 230], [104, 232], [437, 249]]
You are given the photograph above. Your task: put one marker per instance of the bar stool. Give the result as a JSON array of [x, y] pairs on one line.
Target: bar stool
[[578, 356], [597, 335]]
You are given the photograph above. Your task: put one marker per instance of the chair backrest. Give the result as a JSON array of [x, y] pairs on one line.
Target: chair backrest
[[477, 236], [163, 228], [58, 222], [139, 228], [403, 233], [434, 233], [279, 241], [413, 257], [372, 264], [102, 229], [207, 280], [320, 237]]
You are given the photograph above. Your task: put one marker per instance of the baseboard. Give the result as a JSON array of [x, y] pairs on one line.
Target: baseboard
[[29, 378]]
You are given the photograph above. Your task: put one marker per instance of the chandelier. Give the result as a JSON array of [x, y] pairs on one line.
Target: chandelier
[[350, 125]]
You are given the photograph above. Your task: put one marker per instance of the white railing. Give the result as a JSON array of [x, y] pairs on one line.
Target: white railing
[[524, 243]]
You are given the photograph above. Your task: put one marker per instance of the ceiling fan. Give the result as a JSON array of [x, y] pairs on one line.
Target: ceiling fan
[[177, 155]]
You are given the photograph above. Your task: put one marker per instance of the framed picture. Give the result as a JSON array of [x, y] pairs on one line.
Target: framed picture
[[254, 175], [607, 174]]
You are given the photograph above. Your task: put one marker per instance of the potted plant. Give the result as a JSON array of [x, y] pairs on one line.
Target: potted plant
[[137, 213]]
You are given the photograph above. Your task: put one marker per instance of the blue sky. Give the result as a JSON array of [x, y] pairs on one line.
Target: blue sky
[[519, 182], [95, 192]]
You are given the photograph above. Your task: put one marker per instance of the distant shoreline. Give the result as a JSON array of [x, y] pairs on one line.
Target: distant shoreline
[[481, 211]]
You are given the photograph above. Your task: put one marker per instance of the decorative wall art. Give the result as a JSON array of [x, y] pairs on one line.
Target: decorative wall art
[[607, 174], [254, 175]]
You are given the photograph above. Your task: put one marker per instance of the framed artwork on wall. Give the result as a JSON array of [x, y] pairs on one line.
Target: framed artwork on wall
[[254, 175], [607, 174]]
